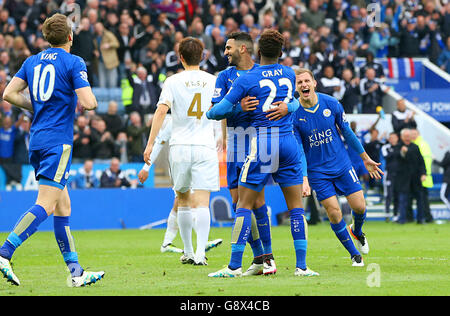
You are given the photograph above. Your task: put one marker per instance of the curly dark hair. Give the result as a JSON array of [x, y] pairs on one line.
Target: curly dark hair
[[271, 43]]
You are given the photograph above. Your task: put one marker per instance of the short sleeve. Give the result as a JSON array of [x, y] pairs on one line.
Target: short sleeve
[[22, 73], [220, 89], [79, 74], [166, 96], [341, 118]]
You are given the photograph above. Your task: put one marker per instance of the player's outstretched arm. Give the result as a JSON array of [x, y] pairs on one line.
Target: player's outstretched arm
[[13, 95], [353, 142], [87, 98]]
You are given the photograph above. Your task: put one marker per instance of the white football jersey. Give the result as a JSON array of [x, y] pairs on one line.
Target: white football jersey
[[189, 94]]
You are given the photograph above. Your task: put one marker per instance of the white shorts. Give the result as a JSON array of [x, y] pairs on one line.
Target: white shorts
[[194, 167]]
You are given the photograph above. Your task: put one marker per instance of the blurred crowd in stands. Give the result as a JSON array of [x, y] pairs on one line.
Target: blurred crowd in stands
[[132, 45]]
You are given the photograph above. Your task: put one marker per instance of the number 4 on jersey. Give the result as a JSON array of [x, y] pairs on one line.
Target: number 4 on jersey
[[197, 102]]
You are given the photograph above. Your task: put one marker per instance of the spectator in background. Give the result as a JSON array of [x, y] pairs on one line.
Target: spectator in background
[[445, 187], [370, 63], [411, 173], [85, 177], [427, 155], [17, 54], [7, 135], [137, 137], [114, 122], [328, 83], [391, 152], [372, 91], [402, 117], [113, 177], [409, 38], [22, 141], [313, 16], [349, 92], [83, 46], [106, 45], [145, 92], [444, 58], [83, 141], [373, 149], [104, 146], [126, 47]]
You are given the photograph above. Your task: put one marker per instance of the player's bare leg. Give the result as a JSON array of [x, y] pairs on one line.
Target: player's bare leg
[[339, 227], [358, 205]]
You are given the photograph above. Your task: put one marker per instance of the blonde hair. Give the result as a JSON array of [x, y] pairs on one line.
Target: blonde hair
[[300, 71]]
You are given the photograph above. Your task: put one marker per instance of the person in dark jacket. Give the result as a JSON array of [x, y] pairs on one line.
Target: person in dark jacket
[[411, 173], [113, 177], [145, 92], [402, 117], [372, 91], [445, 187], [390, 152], [350, 97]]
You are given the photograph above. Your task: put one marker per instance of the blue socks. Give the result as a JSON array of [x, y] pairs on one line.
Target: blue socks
[[343, 235], [25, 227], [263, 222], [66, 244], [239, 237], [358, 221], [298, 231]]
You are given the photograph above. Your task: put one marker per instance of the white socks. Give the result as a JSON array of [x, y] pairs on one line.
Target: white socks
[[172, 228], [198, 219], [185, 224], [202, 225]]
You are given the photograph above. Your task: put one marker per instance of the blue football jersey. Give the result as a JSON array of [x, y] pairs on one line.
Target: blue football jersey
[[317, 127], [224, 82], [269, 84], [53, 76]]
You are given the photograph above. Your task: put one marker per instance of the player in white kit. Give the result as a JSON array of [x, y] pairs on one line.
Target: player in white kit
[[193, 158]]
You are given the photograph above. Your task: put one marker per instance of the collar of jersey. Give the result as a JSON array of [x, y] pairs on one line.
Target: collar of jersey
[[313, 109]]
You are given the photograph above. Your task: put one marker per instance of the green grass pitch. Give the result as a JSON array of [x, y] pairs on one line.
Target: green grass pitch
[[406, 259]]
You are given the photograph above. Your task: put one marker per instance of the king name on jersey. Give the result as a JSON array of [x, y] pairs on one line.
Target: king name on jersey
[[320, 138], [51, 56]]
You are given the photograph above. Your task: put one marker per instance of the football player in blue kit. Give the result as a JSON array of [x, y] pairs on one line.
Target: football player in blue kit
[[274, 151], [238, 49], [318, 123], [56, 79]]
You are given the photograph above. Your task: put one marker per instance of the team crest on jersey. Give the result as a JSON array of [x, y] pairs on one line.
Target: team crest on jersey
[[217, 92], [84, 76], [326, 112]]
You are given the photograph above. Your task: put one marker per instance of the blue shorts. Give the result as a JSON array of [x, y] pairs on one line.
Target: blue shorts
[[276, 156], [52, 165], [233, 171], [345, 184]]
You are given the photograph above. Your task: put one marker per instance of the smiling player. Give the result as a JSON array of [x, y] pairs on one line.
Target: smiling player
[[318, 123]]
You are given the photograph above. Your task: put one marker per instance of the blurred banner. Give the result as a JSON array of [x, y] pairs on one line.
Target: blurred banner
[[29, 182]]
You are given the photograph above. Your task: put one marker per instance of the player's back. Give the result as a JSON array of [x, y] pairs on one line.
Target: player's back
[[269, 84], [189, 94], [53, 76]]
